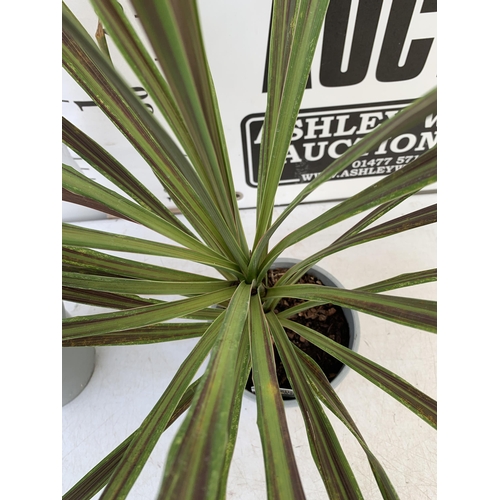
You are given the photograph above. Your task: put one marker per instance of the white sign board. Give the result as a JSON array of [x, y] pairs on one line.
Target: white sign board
[[373, 58]]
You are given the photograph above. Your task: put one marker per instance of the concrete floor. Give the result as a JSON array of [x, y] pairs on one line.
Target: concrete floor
[[127, 381]]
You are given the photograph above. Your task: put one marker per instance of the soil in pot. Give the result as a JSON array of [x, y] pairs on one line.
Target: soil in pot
[[327, 319]]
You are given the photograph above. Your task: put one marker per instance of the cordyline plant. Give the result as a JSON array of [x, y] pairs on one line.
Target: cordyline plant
[[238, 335]]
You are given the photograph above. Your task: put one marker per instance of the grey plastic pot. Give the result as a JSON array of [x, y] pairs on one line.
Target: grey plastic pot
[[77, 367], [351, 316]]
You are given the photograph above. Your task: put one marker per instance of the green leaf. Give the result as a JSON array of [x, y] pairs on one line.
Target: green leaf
[[244, 361], [418, 402], [329, 398], [416, 313], [93, 262], [400, 281], [328, 455], [408, 180], [83, 201], [419, 218], [196, 462], [295, 30], [178, 45], [124, 301], [402, 121], [150, 431], [98, 477], [105, 299], [85, 326], [139, 59], [292, 311], [149, 287], [282, 476], [83, 237], [81, 185], [112, 169], [152, 334], [373, 216], [413, 220], [92, 71]]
